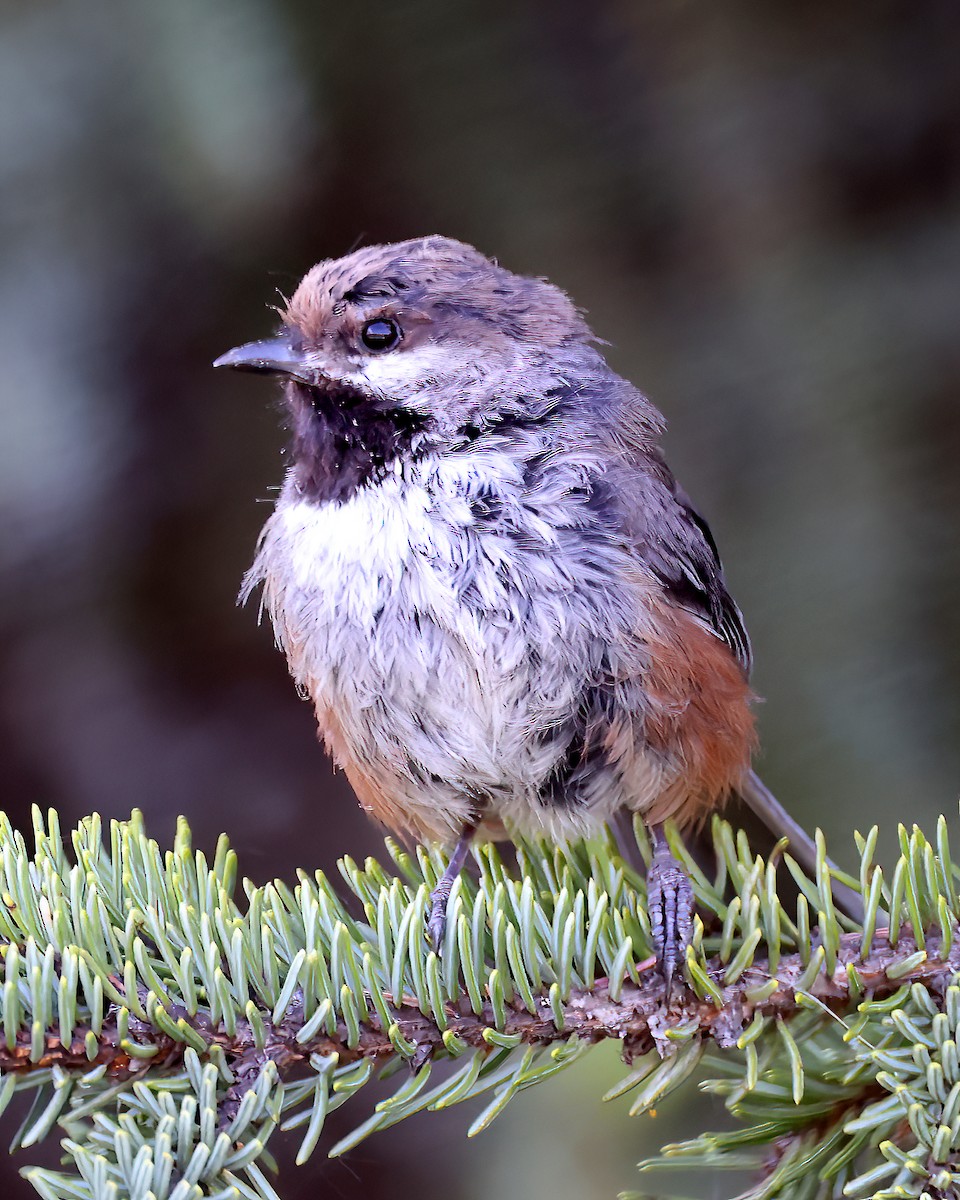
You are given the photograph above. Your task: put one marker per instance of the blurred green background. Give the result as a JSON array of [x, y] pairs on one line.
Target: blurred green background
[[758, 204]]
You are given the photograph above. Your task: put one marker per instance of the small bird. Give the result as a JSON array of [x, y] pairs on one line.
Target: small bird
[[508, 615]]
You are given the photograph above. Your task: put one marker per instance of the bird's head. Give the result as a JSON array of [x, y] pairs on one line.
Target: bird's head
[[429, 328]]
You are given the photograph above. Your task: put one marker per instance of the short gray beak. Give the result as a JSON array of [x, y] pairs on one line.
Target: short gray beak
[[273, 356]]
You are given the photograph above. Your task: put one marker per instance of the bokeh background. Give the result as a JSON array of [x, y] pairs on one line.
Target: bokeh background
[[758, 204]]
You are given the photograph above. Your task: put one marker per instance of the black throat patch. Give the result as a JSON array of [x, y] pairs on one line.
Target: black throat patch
[[343, 439]]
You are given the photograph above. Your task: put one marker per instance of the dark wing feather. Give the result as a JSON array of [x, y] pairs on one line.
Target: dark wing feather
[[675, 543]]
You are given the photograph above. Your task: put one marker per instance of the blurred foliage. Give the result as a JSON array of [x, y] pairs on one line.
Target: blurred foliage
[[759, 208]]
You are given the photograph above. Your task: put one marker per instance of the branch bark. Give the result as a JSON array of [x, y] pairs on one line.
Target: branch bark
[[636, 1018]]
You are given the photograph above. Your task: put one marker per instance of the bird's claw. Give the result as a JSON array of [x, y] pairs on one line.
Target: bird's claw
[[437, 920], [670, 904]]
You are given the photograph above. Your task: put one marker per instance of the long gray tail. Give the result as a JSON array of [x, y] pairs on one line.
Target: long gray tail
[[771, 812]]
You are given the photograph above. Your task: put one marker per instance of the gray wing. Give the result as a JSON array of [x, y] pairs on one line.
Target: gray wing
[[675, 543]]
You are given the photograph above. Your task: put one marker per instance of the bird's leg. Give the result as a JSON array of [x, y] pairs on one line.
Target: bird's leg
[[670, 904], [437, 921]]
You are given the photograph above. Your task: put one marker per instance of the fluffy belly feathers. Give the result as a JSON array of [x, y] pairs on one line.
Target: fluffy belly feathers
[[453, 674], [431, 667]]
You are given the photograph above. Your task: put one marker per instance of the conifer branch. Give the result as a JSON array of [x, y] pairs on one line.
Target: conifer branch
[[636, 1018], [168, 1029]]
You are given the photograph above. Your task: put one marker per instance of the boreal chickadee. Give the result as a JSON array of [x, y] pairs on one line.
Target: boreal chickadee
[[507, 613]]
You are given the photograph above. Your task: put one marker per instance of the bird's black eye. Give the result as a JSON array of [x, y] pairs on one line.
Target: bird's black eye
[[382, 333]]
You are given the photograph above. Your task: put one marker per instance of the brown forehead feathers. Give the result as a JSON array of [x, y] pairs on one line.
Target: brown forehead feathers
[[441, 280]]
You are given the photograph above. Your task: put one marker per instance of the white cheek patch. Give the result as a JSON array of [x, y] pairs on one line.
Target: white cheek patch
[[403, 372]]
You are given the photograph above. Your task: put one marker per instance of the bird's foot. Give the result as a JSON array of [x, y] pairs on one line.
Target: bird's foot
[[439, 897], [670, 904], [437, 920]]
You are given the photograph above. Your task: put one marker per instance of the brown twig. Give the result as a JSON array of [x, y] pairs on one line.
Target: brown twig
[[636, 1018]]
